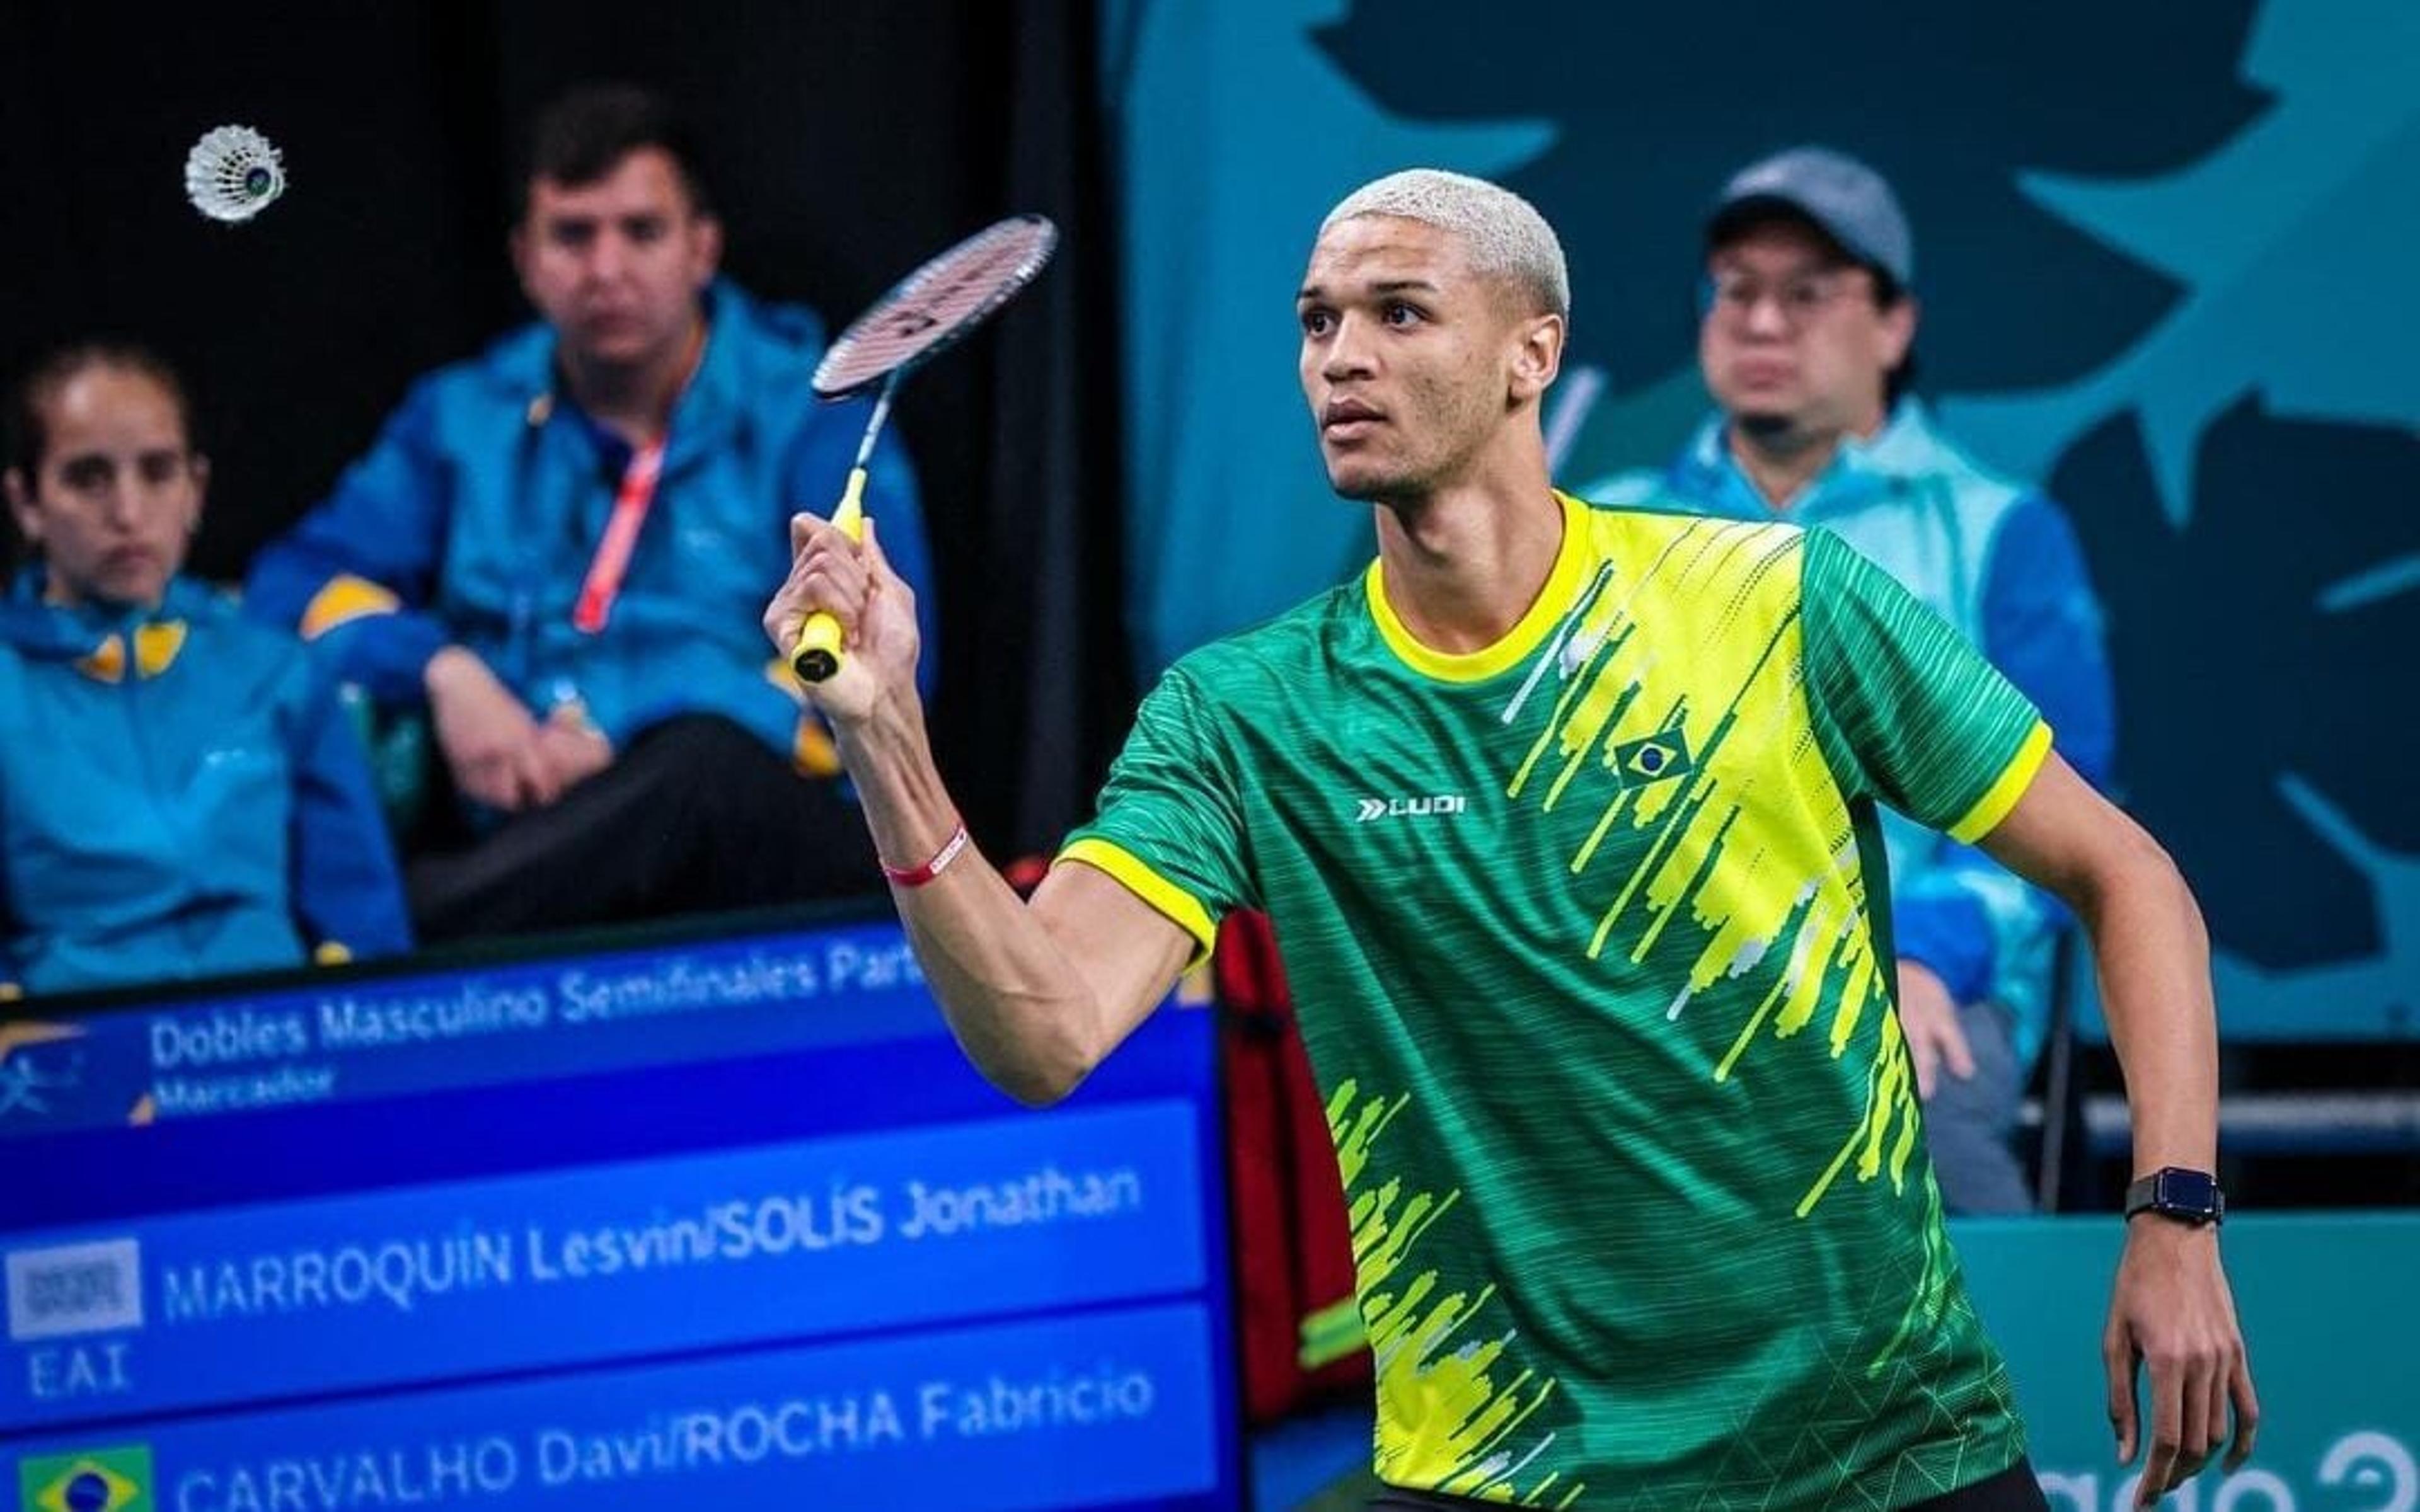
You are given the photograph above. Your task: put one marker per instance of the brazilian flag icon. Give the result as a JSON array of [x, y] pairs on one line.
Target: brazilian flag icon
[[90, 1480], [1652, 758]]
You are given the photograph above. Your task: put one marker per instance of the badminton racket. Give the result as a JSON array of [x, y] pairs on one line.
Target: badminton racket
[[924, 314]]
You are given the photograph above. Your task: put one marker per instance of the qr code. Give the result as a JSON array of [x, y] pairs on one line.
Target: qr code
[[75, 1289]]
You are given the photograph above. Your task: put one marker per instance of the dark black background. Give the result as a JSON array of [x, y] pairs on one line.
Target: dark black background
[[844, 140]]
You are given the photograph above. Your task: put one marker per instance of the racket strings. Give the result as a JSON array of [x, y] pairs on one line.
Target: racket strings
[[937, 304], [927, 310]]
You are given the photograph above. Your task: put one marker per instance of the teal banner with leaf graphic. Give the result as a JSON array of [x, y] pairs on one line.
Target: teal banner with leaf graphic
[[2162, 257]]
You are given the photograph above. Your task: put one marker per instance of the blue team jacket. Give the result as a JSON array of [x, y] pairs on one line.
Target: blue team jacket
[[2000, 562], [475, 518], [181, 794]]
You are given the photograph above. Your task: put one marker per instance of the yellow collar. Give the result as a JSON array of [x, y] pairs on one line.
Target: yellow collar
[[1562, 588]]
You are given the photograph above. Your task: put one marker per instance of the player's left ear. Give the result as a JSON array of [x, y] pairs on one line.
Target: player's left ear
[[1536, 355]]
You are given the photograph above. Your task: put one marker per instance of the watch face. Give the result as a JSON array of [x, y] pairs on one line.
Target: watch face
[[2185, 1192]]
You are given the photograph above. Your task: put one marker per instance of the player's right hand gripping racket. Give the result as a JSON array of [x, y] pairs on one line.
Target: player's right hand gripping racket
[[924, 312]]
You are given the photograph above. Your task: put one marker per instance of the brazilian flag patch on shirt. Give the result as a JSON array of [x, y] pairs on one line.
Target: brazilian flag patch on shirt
[[1652, 758]]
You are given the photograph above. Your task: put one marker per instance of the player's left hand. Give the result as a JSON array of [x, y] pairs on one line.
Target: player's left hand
[[2172, 1311]]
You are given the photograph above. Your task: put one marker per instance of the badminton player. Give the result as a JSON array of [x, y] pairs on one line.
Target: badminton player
[[1566, 820]]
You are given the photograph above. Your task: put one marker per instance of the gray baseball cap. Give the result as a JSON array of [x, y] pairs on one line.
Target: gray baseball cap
[[1848, 201]]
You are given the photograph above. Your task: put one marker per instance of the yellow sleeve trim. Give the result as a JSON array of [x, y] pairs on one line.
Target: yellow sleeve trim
[[343, 600], [2014, 778], [1181, 907]]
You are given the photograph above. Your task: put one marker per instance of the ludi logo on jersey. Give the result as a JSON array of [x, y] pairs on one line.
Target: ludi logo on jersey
[[1439, 803]]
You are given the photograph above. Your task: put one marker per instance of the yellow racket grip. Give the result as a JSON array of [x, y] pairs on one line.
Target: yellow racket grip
[[817, 654]]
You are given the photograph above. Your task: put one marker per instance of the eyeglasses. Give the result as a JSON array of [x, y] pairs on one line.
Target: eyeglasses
[[1733, 295]]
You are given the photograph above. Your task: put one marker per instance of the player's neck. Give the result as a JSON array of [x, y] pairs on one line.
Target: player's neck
[[634, 400], [1461, 565], [1782, 459]]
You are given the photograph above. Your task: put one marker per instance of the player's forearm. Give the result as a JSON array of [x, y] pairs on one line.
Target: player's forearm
[[1023, 1014], [2154, 961]]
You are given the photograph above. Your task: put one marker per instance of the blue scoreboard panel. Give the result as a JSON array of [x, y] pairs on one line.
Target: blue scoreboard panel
[[691, 1222]]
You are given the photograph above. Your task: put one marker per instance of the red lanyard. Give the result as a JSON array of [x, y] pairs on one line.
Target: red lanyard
[[613, 558], [630, 502]]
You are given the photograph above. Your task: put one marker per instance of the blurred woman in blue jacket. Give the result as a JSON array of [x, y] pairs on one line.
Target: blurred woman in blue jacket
[[181, 792]]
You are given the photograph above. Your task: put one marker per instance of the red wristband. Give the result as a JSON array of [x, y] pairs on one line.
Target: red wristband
[[916, 876]]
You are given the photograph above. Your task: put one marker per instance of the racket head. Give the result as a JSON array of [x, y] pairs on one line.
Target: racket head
[[932, 307]]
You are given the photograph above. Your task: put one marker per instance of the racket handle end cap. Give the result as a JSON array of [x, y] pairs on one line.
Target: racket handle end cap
[[815, 663]]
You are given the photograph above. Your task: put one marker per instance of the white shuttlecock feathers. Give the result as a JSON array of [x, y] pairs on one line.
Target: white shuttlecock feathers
[[233, 172]]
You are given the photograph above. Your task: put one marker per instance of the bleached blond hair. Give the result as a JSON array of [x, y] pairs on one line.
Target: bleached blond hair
[[1505, 235]]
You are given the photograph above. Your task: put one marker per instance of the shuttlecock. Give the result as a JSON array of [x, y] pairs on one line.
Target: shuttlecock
[[232, 174]]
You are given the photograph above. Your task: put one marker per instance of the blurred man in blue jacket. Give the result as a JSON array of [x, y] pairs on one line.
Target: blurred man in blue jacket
[[181, 794], [556, 546], [1806, 342]]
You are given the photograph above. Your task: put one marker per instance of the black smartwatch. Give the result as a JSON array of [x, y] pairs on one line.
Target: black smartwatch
[[2173, 1192]]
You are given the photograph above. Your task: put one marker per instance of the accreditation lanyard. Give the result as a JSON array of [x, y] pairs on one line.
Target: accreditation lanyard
[[631, 503], [613, 558]]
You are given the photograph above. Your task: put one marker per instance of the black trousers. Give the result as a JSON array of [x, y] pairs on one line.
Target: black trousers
[[697, 816], [2013, 1489]]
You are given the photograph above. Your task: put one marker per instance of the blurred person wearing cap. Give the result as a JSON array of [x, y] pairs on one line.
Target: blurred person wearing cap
[[1807, 342]]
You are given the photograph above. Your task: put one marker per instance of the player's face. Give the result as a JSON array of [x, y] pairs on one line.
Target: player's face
[[616, 266], [113, 502], [1407, 354], [1792, 338]]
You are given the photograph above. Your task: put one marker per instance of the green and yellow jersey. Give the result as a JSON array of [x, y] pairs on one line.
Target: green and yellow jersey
[[1585, 933]]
